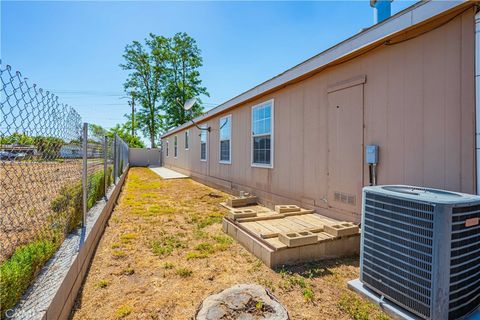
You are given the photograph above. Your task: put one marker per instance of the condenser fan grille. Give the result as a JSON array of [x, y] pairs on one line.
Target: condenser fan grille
[[397, 251]]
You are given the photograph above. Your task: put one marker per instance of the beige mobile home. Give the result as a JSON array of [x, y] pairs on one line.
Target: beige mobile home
[[406, 84]]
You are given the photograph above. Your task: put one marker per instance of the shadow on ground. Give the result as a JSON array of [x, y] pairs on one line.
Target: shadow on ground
[[318, 269]]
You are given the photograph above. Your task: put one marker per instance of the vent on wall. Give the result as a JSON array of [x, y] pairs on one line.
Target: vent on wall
[[421, 249], [345, 198]]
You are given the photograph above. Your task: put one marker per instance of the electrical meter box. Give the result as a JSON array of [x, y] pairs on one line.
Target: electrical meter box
[[371, 154]]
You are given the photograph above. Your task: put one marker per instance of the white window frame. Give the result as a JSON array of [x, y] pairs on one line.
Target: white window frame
[[229, 117], [187, 139], [166, 149], [175, 146], [272, 136], [204, 126]]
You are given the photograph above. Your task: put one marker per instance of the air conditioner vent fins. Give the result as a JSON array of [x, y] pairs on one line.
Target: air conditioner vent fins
[[407, 233]]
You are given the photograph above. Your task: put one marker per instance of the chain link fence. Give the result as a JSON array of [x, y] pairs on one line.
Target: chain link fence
[[53, 170]]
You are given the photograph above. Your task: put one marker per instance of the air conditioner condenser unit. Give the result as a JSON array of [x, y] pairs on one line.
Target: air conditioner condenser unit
[[420, 249]]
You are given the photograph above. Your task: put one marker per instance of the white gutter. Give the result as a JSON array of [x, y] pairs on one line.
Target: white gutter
[[477, 96], [412, 16]]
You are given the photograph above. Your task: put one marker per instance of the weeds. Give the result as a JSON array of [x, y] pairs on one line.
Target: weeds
[[202, 221], [128, 271], [17, 272], [117, 253], [157, 209], [168, 265], [127, 237], [196, 255], [223, 242], [167, 245], [308, 294], [259, 305], [115, 245], [358, 309], [200, 234], [205, 247], [103, 283], [292, 281], [184, 272], [123, 311]]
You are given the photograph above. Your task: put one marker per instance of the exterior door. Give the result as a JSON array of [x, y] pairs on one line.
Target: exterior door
[[345, 148]]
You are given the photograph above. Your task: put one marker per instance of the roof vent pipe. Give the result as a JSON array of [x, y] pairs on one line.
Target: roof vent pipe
[[382, 9]]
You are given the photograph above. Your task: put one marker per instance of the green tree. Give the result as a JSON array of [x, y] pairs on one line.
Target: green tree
[[96, 132], [17, 138], [123, 131], [163, 74], [182, 80], [147, 66]]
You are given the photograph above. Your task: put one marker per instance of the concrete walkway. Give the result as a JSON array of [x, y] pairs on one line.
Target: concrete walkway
[[166, 173]]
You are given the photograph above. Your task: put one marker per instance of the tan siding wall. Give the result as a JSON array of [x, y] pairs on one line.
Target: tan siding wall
[[418, 107]]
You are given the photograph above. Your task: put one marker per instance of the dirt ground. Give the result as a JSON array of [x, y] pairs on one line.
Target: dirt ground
[[164, 251]]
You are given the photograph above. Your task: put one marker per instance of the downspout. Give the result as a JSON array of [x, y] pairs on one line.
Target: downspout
[[477, 96]]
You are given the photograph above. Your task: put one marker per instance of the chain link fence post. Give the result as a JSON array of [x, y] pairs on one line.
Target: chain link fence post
[[105, 170], [115, 158], [84, 172]]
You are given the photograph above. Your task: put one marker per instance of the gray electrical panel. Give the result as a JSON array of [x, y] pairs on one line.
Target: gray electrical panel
[[371, 154]]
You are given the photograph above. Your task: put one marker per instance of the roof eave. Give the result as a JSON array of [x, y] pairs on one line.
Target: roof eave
[[408, 18]]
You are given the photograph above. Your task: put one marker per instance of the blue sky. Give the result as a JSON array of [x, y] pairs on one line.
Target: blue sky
[[73, 48]]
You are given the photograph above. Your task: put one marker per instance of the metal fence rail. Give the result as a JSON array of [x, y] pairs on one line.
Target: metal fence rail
[[53, 169]]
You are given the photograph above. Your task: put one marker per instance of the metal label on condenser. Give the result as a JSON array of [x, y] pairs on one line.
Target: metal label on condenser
[[472, 222]]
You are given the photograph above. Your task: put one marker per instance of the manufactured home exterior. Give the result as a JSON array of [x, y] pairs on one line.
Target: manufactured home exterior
[[406, 85]]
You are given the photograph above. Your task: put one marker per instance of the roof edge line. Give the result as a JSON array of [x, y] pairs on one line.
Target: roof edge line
[[416, 14]]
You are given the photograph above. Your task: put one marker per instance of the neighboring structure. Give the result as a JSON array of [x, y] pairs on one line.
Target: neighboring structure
[[406, 84], [71, 151], [16, 149]]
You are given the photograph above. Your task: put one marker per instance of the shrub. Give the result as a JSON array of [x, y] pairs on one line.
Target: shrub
[[17, 272]]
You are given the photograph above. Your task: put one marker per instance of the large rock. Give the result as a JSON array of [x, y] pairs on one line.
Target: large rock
[[243, 302]]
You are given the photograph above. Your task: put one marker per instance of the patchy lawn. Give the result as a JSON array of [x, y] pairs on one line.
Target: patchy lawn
[[164, 251]]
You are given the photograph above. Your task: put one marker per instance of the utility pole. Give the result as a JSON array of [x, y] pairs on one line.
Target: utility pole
[[132, 103]]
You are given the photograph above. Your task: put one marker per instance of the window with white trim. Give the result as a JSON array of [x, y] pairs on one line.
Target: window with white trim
[[175, 146], [203, 143], [225, 139], [262, 135], [166, 149], [186, 139]]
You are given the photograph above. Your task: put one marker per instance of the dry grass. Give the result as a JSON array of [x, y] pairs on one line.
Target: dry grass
[[164, 252]]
